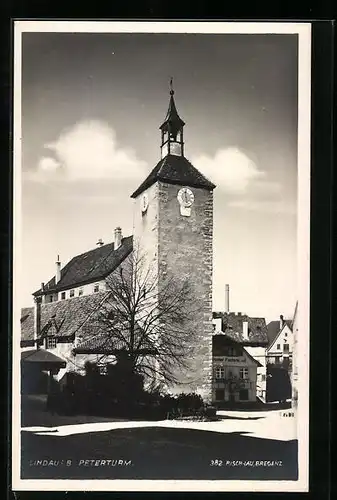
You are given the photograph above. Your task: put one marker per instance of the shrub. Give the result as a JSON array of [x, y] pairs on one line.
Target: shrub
[[189, 402]]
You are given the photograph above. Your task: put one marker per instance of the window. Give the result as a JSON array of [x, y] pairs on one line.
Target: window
[[80, 292], [263, 377], [244, 395], [278, 346], [244, 373], [286, 348], [96, 287], [63, 295], [231, 351], [50, 298], [51, 342], [285, 334], [72, 293], [219, 394], [219, 372]]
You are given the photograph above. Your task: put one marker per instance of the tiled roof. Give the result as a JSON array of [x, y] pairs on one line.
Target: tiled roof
[[42, 356], [175, 170], [273, 329], [102, 343], [90, 266], [79, 316], [65, 316], [220, 341], [232, 326]]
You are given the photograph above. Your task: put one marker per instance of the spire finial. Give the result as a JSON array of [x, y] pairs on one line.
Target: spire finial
[[171, 86]]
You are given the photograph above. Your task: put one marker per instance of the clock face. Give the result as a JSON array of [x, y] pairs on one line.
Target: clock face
[[185, 197], [144, 202]]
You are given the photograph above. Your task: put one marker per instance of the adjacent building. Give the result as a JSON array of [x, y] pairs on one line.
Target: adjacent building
[[280, 343], [294, 373], [279, 357], [239, 346]]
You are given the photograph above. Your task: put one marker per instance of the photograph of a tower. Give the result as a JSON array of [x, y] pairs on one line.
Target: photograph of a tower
[[158, 291]]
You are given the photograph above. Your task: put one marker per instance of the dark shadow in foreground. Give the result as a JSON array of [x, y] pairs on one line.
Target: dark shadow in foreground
[[157, 453]]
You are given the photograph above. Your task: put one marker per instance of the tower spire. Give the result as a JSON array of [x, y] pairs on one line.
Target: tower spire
[[172, 129], [171, 86]]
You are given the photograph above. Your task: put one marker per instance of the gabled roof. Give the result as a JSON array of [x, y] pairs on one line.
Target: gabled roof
[[232, 327], [220, 340], [175, 170], [79, 317], [63, 318], [90, 266], [273, 329]]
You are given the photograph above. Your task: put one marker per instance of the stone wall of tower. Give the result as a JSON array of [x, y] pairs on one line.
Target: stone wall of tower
[[185, 251], [145, 229]]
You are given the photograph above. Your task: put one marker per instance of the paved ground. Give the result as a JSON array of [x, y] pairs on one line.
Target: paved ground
[[242, 445], [157, 453]]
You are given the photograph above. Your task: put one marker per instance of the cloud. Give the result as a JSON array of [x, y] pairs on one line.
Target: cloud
[[89, 150], [266, 206], [230, 169], [48, 164]]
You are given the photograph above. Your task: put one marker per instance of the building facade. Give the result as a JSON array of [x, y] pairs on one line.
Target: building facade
[[246, 338], [234, 372], [280, 346]]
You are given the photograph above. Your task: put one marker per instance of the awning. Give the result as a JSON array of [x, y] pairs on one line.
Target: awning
[[43, 359]]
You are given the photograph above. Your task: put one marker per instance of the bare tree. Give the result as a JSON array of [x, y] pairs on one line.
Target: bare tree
[[146, 322]]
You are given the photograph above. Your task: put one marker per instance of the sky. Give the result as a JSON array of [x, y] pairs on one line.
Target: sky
[[91, 108]]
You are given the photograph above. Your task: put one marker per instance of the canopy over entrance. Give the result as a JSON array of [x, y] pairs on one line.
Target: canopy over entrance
[[42, 359]]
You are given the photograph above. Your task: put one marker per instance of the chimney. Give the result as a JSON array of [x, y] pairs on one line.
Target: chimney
[[227, 299], [217, 322], [58, 270], [37, 320], [118, 238], [100, 243], [281, 321], [245, 330]]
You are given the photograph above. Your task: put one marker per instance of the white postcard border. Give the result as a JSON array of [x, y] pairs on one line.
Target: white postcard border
[[303, 29]]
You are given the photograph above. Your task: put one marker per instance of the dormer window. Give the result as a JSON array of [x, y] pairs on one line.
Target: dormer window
[[51, 342], [80, 292], [96, 287], [63, 295], [72, 293]]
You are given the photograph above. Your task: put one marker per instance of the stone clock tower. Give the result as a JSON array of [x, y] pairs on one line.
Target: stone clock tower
[[173, 228]]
